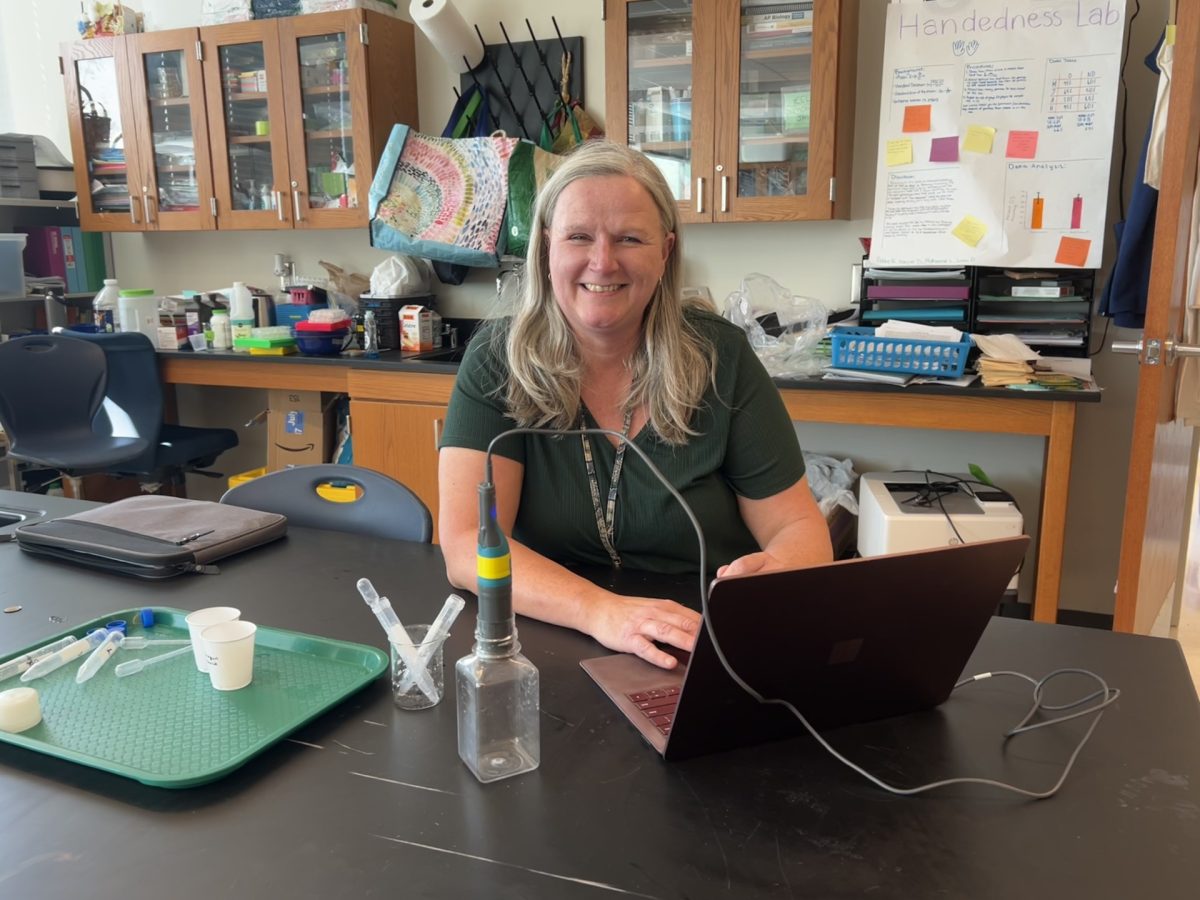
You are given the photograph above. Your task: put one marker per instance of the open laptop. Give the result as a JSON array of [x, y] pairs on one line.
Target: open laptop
[[845, 642]]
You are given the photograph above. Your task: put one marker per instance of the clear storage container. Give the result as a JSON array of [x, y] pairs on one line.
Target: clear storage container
[[12, 268]]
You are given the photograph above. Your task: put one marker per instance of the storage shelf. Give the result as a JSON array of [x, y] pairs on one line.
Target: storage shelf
[[246, 96], [37, 204], [251, 139], [328, 134], [171, 101], [326, 89]]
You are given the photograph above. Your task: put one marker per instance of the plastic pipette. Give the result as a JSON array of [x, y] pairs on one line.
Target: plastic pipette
[[133, 666], [19, 664], [141, 642], [51, 663], [398, 636], [437, 633], [99, 656]]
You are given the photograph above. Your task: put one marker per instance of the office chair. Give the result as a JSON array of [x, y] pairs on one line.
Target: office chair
[[92, 403], [386, 508]]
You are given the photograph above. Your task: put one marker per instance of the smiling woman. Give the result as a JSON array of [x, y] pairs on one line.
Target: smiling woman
[[601, 338]]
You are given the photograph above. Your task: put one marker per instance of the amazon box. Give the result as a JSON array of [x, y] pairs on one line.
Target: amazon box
[[300, 428]]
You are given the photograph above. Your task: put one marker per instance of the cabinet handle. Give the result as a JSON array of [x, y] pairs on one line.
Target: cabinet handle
[[132, 210], [437, 433], [146, 208], [724, 193], [296, 202], [699, 195], [278, 198]]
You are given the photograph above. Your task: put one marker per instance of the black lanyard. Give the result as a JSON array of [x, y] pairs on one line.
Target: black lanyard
[[604, 518]]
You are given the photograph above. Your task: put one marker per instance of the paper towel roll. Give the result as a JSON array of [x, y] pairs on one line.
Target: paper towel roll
[[448, 31]]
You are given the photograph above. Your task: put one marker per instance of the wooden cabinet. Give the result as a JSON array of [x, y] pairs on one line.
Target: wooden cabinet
[[400, 440], [746, 107], [257, 125]]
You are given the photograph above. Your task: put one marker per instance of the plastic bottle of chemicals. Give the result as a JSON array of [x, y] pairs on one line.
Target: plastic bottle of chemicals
[[241, 312], [104, 305], [222, 338]]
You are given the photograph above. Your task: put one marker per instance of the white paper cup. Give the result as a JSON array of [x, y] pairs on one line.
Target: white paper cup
[[229, 652], [201, 619]]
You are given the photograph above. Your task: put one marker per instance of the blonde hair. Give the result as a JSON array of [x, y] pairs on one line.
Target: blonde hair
[[673, 364]]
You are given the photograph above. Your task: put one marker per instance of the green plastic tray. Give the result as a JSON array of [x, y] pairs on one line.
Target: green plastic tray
[[167, 726]]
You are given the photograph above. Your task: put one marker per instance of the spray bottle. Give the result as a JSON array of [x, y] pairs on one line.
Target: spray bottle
[[498, 702]]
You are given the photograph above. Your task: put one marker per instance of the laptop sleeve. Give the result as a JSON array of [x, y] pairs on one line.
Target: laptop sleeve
[[152, 536]]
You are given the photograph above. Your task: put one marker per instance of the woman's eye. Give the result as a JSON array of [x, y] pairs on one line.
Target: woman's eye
[[630, 239]]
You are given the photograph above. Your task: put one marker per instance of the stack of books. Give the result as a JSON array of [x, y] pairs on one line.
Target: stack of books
[[781, 25]]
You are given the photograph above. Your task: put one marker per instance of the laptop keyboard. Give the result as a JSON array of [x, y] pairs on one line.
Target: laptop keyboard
[[657, 705]]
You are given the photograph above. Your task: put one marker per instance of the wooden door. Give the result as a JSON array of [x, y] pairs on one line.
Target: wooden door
[[248, 138], [401, 440], [104, 139], [1156, 498], [167, 88], [326, 99]]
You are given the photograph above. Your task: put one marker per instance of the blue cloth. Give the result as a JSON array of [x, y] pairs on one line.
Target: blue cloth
[[1125, 293]]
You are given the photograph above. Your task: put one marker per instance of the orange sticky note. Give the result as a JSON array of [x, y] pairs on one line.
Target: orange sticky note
[[899, 152], [970, 231], [916, 118], [979, 139], [1073, 251], [1022, 145]]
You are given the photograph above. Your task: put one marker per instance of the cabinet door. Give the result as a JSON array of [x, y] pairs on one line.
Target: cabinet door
[[167, 85], [244, 94], [400, 440], [325, 96], [104, 140], [782, 108], [658, 56]]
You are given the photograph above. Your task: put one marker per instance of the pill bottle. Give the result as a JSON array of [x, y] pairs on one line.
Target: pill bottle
[[222, 331]]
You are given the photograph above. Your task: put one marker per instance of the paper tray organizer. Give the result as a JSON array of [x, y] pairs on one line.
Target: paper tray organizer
[[858, 348], [167, 726]]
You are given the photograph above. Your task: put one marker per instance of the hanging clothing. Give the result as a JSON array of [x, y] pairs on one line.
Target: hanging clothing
[[1158, 122], [1124, 297]]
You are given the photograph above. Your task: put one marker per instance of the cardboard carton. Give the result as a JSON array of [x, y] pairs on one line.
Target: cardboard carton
[[300, 428], [420, 328]]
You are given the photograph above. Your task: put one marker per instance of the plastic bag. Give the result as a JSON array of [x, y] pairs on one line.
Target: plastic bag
[[832, 483], [529, 168], [399, 276], [783, 328]]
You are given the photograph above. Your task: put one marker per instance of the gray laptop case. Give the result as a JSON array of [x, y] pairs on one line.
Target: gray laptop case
[[847, 642]]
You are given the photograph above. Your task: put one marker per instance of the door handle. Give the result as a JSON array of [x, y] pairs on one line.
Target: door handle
[[724, 193], [277, 197], [1152, 352], [296, 202], [132, 210], [146, 208], [699, 195]]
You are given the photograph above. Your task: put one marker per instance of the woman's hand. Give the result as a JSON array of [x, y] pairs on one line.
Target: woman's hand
[[633, 624], [751, 563]]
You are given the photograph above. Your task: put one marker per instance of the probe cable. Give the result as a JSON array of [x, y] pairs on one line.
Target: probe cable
[[1105, 695]]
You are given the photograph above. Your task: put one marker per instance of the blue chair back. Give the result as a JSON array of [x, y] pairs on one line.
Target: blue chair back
[[385, 508]]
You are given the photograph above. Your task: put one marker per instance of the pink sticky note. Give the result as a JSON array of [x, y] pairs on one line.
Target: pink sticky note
[[1073, 251], [1022, 145], [916, 118], [944, 149]]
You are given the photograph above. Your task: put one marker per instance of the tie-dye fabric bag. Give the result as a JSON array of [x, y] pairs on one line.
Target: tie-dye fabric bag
[[441, 198]]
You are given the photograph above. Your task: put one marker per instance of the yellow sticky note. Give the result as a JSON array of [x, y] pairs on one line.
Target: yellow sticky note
[[979, 139], [970, 231], [1170, 38], [1073, 251], [899, 152]]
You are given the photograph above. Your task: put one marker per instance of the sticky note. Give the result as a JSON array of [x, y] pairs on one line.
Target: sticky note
[[979, 139], [970, 231], [916, 118], [899, 152], [1022, 145], [1073, 251], [944, 149], [1170, 37]]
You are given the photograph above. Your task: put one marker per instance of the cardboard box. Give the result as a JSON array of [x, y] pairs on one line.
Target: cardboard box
[[300, 428], [420, 328]]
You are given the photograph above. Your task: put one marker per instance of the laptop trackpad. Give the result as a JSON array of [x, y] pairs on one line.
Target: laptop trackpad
[[645, 693]]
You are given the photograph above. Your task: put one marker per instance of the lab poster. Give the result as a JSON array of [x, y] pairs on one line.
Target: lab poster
[[995, 132]]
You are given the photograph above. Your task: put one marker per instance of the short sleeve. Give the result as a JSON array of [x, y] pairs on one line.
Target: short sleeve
[[476, 413], [762, 455]]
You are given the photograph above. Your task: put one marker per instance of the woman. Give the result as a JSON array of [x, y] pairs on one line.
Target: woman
[[600, 336]]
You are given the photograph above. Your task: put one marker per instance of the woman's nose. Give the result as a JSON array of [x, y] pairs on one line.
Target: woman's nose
[[602, 258]]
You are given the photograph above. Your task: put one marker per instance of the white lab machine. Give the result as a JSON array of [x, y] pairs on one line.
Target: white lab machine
[[897, 512]]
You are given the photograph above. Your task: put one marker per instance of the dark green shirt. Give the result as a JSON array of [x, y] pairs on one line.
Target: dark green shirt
[[745, 445]]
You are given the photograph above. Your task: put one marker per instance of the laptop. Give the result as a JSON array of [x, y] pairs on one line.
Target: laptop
[[846, 642]]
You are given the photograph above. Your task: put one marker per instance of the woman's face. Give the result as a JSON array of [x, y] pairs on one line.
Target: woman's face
[[607, 254]]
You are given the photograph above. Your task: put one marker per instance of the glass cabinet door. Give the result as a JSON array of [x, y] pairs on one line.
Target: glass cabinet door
[[774, 99], [660, 52], [328, 119], [172, 134], [103, 140], [245, 111]]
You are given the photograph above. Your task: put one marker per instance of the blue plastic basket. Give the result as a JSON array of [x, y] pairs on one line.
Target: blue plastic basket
[[859, 348]]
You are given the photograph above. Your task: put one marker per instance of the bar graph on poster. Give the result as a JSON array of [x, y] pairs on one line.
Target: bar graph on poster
[[995, 132]]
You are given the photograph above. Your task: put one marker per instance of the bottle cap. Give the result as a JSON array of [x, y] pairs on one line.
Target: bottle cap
[[146, 617], [140, 292], [117, 625]]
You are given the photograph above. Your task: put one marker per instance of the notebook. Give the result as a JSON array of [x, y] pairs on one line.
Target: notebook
[[846, 642]]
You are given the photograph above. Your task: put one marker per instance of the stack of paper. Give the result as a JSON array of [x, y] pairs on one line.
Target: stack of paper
[[1001, 373]]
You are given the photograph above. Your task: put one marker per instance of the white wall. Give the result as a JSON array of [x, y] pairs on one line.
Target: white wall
[[810, 258]]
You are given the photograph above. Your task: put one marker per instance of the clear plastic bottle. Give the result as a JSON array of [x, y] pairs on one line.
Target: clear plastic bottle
[[498, 692], [104, 305], [222, 332], [241, 312]]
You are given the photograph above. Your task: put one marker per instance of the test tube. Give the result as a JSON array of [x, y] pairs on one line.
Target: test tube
[[19, 664]]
